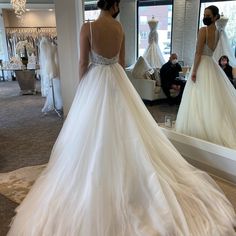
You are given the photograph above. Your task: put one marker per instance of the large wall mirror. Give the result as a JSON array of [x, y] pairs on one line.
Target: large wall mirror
[[228, 9], [168, 14]]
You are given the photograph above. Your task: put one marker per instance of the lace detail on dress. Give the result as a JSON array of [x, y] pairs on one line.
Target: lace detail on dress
[[207, 51], [97, 59], [153, 35]]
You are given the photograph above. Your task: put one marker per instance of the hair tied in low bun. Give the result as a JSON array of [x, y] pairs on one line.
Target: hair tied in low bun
[[101, 4], [106, 4]]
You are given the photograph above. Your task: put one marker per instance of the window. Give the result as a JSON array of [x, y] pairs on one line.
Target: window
[[162, 11], [228, 8], [91, 12]]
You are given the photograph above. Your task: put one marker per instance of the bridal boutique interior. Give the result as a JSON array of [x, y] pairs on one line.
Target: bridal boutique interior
[[31, 118]]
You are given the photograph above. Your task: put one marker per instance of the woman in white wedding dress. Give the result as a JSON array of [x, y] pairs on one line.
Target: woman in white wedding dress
[[112, 171], [208, 108], [153, 53]]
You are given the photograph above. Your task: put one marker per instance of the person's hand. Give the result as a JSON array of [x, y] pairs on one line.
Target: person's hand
[[193, 77]]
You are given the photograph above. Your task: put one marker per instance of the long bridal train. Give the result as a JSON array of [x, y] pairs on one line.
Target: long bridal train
[[112, 168], [210, 157]]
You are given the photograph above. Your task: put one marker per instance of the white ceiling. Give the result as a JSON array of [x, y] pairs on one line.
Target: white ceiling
[[31, 4], [36, 4], [39, 1], [31, 1]]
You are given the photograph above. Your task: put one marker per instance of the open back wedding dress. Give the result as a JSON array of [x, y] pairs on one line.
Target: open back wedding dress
[[208, 108], [112, 172]]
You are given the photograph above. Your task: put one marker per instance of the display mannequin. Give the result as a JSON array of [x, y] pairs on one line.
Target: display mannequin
[[153, 53], [223, 46]]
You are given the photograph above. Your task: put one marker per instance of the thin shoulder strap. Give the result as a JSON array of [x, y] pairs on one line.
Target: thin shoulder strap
[[91, 34], [206, 36], [216, 36]]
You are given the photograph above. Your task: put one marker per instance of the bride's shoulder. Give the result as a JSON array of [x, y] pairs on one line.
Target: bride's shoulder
[[119, 26], [85, 28], [85, 25], [202, 31]]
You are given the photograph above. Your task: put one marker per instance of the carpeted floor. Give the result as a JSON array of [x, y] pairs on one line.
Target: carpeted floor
[[26, 139], [26, 136]]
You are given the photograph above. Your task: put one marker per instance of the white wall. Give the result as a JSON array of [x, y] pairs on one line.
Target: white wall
[[33, 18], [128, 18], [178, 27], [185, 27], [69, 17]]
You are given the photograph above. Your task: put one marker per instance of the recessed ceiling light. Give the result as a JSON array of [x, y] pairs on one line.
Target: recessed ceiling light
[[50, 9], [27, 9]]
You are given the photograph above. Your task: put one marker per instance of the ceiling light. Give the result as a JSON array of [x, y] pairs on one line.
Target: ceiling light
[[19, 7]]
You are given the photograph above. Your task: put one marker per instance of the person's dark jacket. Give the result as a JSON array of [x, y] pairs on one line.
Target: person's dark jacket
[[168, 73], [229, 72]]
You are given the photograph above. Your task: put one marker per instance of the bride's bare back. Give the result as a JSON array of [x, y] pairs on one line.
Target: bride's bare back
[[105, 37]]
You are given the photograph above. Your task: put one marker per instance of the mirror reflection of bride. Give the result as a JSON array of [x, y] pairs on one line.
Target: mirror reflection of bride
[[208, 109]]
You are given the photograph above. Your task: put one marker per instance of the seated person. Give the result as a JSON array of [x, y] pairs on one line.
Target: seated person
[[224, 64], [169, 74]]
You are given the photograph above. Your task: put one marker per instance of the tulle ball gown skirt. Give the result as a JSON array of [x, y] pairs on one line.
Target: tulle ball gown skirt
[[112, 172], [208, 107]]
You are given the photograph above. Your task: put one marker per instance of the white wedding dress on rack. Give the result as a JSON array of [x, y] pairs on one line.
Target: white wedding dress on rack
[[153, 54], [44, 48], [50, 84], [223, 46], [112, 172]]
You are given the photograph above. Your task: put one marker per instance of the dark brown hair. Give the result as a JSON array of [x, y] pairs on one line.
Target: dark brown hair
[[223, 57], [106, 4], [214, 10]]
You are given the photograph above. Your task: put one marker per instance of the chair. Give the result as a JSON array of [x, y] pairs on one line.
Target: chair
[[146, 88]]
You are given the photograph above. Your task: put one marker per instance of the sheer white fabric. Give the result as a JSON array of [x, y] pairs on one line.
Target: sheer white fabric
[[208, 109], [153, 54], [112, 172], [54, 98], [50, 83], [43, 56], [223, 46]]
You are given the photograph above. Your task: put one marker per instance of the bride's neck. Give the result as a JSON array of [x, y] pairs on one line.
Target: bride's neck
[[106, 14], [212, 26]]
